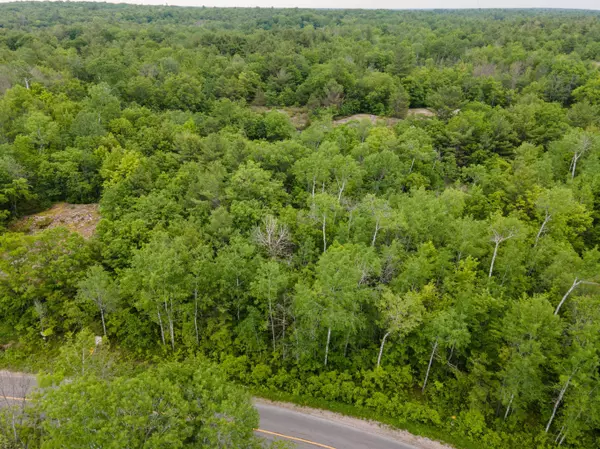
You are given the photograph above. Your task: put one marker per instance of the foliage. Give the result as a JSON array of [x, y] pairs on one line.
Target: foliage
[[441, 271]]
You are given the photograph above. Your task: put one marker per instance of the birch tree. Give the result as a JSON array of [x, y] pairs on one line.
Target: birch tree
[[324, 210], [580, 367], [447, 329], [157, 281], [401, 314], [267, 289], [560, 214], [576, 146], [569, 272], [502, 229], [530, 331], [99, 288], [380, 212], [340, 291]]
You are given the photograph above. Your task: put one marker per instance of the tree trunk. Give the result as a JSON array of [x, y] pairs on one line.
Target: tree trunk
[[558, 401], [341, 191], [324, 233], [196, 315], [435, 345], [272, 320], [171, 330], [160, 323], [102, 317], [574, 164], [412, 164], [375, 233], [327, 345], [494, 259], [512, 396], [381, 349], [539, 234], [576, 282]]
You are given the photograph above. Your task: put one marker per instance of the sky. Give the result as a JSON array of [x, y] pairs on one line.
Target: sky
[[384, 4]]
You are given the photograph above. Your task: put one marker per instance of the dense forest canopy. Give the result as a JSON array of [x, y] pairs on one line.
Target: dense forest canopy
[[438, 269]]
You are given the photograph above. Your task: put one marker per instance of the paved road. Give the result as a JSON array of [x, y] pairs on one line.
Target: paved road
[[14, 387], [318, 432], [304, 431]]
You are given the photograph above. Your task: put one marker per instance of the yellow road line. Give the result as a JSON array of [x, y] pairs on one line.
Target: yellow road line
[[293, 438]]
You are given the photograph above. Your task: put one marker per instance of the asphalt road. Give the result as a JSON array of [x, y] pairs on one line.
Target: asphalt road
[[14, 387], [302, 430], [318, 432]]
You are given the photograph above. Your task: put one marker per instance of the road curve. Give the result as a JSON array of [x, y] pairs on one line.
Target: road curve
[[305, 430], [310, 431]]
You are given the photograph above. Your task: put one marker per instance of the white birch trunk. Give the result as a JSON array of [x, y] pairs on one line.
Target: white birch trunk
[[512, 397], [196, 315], [435, 345], [539, 234], [324, 233], [381, 349], [160, 323], [327, 345], [558, 401], [576, 282], [375, 233], [494, 259], [103, 323]]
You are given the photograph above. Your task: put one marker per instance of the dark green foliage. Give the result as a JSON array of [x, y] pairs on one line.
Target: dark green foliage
[[242, 221]]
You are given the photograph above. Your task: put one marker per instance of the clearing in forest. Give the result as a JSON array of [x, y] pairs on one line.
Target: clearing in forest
[[80, 218]]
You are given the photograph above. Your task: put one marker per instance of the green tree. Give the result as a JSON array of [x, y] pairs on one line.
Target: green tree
[[99, 288]]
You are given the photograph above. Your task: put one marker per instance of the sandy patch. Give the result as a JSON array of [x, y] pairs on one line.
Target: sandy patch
[[80, 218]]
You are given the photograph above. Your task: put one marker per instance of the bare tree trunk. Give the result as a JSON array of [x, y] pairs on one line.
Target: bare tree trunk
[[324, 233], [576, 282], [272, 320], [327, 345], [103, 323], [574, 164], [381, 349], [375, 233], [562, 439], [558, 401], [341, 191], [435, 345], [539, 234], [512, 397], [160, 323], [171, 330], [494, 259], [412, 164], [196, 315]]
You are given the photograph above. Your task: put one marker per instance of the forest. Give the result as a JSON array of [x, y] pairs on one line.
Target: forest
[[439, 268]]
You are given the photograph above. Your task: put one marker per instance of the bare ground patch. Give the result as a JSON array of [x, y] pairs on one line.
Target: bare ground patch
[[388, 121], [298, 116], [80, 218]]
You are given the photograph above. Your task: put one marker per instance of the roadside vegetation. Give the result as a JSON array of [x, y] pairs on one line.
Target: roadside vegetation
[[438, 270]]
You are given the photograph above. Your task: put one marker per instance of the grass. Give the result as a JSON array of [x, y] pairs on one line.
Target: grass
[[419, 429]]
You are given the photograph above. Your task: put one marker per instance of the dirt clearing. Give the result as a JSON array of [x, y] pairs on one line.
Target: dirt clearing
[[80, 218]]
